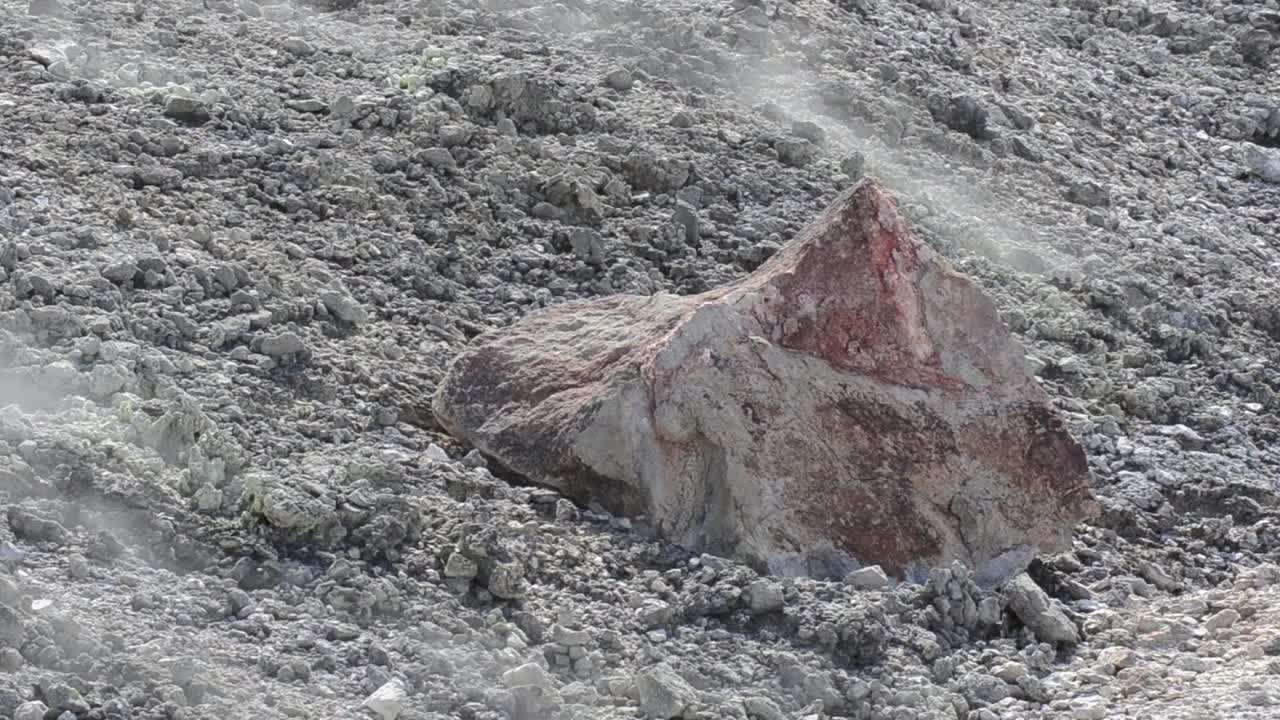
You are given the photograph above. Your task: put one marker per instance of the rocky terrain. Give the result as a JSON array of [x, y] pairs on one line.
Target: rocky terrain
[[241, 242]]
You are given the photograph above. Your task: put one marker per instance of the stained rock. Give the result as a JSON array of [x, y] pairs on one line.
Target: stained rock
[[853, 401]]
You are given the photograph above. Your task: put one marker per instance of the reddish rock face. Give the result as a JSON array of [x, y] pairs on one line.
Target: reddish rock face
[[853, 401]]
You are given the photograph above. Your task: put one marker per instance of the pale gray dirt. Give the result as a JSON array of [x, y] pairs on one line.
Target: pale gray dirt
[[240, 243]]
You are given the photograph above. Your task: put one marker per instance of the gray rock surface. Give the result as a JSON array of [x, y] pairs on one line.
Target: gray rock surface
[[1035, 609], [663, 693], [452, 167]]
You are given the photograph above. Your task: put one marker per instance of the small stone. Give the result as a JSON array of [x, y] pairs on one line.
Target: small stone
[[686, 217], [986, 688], [186, 109], [439, 158], [436, 454], [29, 526], [11, 660], [1221, 620], [298, 46], [1089, 194], [1255, 47], [566, 511], [1010, 672], [208, 498], [655, 613], [795, 153], [65, 698], [764, 596], [565, 636], [1088, 710], [11, 595], [1118, 657], [286, 343], [1157, 576], [762, 708], [527, 674], [1034, 608], [1264, 164], [106, 380], [121, 272], [1025, 149], [587, 245], [46, 55], [45, 8], [853, 165], [868, 578], [33, 710], [506, 581], [343, 307], [77, 566], [620, 79], [1194, 664], [809, 131], [460, 567], [681, 120], [342, 106], [962, 113], [387, 701], [663, 693]]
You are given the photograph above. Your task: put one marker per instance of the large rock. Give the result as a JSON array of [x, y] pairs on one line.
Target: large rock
[[1036, 610], [853, 401]]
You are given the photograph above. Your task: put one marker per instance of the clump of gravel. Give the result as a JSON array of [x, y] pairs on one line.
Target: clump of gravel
[[240, 242]]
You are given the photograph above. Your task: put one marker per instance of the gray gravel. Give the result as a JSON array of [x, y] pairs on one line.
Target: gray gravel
[[240, 242]]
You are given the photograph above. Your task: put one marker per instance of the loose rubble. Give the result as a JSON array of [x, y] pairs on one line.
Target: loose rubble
[[241, 242]]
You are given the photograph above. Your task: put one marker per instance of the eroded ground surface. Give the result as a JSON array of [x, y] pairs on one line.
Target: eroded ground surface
[[240, 243]]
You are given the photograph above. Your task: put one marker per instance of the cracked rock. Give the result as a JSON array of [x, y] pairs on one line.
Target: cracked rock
[[858, 384]]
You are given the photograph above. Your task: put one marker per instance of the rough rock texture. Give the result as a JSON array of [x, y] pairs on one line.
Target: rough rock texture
[[1034, 608], [852, 401], [185, 185]]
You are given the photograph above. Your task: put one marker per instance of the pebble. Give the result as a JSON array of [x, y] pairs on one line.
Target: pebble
[[33, 710], [298, 46], [185, 109], [527, 674], [344, 307], [436, 454], [565, 636], [663, 693], [620, 79], [868, 578], [388, 701], [764, 596], [283, 344], [1221, 620]]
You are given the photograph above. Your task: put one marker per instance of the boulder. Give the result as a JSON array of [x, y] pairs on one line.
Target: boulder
[[853, 401], [1037, 611]]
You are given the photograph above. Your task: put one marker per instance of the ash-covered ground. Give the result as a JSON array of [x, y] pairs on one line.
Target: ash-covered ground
[[241, 242]]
